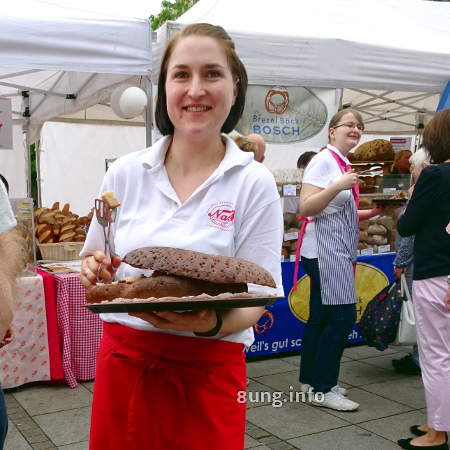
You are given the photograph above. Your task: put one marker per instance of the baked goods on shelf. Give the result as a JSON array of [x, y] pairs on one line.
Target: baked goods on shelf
[[53, 225], [377, 232], [375, 150]]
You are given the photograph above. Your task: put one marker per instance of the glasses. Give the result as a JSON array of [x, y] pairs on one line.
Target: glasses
[[351, 125]]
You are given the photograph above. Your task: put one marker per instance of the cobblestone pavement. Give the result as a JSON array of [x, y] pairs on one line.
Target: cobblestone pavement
[[279, 417]]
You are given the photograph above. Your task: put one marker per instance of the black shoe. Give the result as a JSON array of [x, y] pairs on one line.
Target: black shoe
[[406, 444], [406, 366], [416, 431]]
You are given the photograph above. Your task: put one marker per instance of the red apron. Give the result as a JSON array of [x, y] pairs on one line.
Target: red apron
[[158, 391]]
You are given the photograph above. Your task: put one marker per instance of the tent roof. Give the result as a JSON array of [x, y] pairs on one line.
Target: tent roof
[[67, 58], [382, 44], [391, 56], [41, 35]]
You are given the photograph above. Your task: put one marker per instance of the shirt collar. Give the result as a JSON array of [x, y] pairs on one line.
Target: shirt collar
[[336, 150], [154, 158]]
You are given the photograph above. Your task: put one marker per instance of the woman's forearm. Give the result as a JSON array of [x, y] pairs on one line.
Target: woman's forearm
[[238, 319], [313, 204]]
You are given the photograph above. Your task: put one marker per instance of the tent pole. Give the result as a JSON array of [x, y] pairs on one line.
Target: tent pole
[[26, 129], [148, 112]]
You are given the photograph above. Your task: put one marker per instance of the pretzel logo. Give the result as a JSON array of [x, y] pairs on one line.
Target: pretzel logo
[[277, 100], [265, 322]]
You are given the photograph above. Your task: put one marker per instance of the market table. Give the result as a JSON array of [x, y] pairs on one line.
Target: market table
[[80, 329], [26, 358]]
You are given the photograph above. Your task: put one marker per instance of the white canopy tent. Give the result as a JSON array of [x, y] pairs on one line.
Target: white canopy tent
[[58, 59], [391, 57]]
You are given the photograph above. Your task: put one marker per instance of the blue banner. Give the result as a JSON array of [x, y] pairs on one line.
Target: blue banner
[[281, 327]]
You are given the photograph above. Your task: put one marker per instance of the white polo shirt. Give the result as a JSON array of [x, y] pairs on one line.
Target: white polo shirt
[[322, 171], [235, 212], [7, 219]]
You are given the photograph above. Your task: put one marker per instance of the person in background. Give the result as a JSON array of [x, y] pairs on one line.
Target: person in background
[[10, 265], [172, 380], [403, 263], [252, 143], [304, 159], [330, 195], [427, 215], [402, 163]]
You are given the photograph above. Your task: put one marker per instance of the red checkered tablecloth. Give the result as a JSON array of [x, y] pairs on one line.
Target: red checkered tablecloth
[[80, 330], [26, 358]]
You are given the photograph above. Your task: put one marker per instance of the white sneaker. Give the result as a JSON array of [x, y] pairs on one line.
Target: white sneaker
[[334, 400], [305, 387], [339, 390]]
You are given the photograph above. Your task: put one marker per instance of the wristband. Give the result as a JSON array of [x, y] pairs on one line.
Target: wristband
[[214, 330]]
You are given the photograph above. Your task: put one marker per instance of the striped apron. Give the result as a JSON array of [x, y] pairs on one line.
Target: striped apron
[[337, 237]]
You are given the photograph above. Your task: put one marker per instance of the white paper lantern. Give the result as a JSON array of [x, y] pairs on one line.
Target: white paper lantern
[[128, 101]]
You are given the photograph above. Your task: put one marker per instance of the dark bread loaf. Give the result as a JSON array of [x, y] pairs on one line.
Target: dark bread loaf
[[201, 266], [158, 286]]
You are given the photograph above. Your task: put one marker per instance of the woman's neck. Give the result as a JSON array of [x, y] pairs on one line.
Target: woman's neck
[[189, 155], [344, 152]]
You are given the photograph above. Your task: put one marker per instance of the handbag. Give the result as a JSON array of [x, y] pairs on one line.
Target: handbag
[[379, 323], [406, 333]]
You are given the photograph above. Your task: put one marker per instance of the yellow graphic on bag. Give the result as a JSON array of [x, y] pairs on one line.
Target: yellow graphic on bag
[[369, 280]]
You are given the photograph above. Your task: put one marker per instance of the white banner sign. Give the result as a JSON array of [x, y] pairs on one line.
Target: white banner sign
[[282, 115], [6, 140]]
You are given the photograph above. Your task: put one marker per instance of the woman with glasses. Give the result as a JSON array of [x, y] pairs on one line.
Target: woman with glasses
[[329, 196]]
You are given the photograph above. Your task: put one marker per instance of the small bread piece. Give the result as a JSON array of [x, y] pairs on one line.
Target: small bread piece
[[40, 227], [68, 227], [48, 217], [45, 236], [203, 266], [55, 206], [377, 229], [377, 239], [66, 209], [110, 199], [67, 236]]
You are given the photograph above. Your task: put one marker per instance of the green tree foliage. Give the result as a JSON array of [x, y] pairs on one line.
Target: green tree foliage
[[170, 10]]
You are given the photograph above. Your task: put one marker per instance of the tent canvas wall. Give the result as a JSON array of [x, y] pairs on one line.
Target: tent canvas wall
[[68, 59]]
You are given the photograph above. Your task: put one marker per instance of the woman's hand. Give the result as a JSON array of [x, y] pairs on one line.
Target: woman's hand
[[346, 181], [90, 268], [190, 321], [398, 272]]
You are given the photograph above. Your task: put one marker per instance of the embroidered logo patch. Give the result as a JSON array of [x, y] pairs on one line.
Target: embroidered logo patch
[[221, 215]]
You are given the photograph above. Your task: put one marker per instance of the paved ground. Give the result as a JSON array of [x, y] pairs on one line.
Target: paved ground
[[43, 417]]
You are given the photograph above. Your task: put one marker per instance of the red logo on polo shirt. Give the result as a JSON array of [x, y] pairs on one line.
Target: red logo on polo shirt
[[221, 215]]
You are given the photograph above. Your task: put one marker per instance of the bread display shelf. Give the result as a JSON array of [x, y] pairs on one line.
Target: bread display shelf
[[222, 301]]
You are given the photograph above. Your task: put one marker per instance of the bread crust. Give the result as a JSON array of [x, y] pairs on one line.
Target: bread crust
[[200, 266]]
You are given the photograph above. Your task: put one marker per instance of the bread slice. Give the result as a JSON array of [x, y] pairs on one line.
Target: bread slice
[[110, 199]]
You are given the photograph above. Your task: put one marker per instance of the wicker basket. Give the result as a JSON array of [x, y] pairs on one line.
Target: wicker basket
[[61, 251]]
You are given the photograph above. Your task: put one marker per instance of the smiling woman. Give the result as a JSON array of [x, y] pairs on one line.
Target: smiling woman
[[167, 371]]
